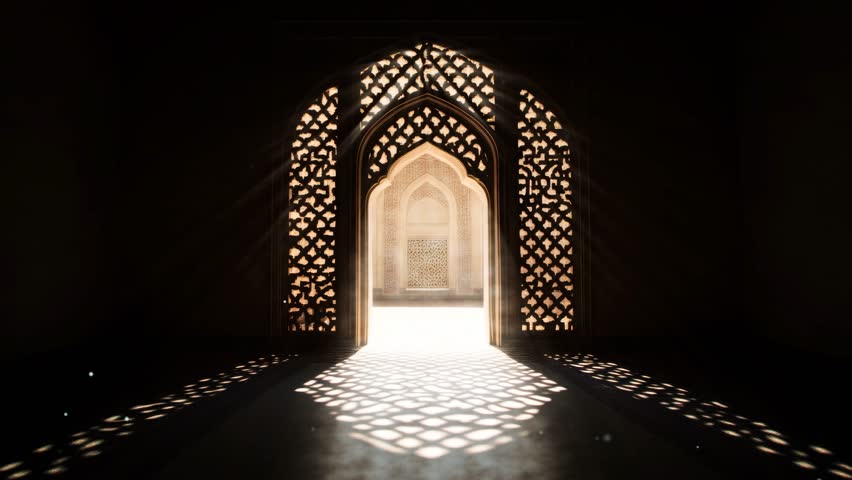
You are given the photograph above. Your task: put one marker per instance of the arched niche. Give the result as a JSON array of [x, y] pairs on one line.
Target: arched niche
[[427, 167], [424, 183], [397, 229]]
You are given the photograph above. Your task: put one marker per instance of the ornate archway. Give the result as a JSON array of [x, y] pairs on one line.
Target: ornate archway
[[429, 95]]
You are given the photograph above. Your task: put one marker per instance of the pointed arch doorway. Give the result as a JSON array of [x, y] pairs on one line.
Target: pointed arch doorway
[[427, 255], [427, 264]]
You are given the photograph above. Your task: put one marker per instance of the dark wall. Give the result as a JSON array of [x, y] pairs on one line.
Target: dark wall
[[795, 103], [665, 200], [141, 173], [61, 134]]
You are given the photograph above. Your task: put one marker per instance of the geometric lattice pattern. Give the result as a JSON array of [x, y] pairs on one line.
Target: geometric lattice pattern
[[421, 124], [546, 223], [545, 185], [428, 263], [311, 302], [427, 68]]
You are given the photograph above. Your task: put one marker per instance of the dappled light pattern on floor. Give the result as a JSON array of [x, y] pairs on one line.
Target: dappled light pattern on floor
[[819, 460], [53, 459], [429, 404]]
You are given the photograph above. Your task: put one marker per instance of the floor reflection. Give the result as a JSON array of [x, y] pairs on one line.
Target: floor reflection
[[52, 459], [710, 414], [431, 404]]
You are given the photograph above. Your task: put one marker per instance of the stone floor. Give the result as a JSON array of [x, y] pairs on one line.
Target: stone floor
[[413, 404], [473, 414]]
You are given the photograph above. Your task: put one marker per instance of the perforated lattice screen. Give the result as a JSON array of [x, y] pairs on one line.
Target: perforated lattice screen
[[421, 124], [544, 180], [428, 263], [546, 222], [427, 68], [311, 303]]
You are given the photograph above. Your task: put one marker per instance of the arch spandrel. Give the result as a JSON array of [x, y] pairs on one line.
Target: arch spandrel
[[427, 121]]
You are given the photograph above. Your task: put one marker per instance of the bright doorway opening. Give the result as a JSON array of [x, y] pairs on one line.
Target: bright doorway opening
[[428, 256]]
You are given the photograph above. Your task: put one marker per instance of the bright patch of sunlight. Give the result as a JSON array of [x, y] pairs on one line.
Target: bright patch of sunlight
[[432, 404], [427, 329]]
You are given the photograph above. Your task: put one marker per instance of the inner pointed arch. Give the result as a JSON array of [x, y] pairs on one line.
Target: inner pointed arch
[[428, 119], [436, 152]]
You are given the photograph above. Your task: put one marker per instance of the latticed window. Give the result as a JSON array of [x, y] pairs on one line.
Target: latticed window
[[546, 224], [426, 124], [311, 275], [427, 68], [459, 116]]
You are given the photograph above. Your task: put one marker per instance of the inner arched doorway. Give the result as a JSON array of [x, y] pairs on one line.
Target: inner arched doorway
[[423, 131], [428, 255]]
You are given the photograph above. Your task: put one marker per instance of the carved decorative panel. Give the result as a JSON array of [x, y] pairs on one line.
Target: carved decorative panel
[[428, 263], [427, 68], [546, 222], [311, 302], [428, 191], [393, 237], [421, 124]]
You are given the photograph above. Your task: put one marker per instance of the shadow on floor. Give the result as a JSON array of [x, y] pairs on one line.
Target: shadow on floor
[[58, 457], [786, 456]]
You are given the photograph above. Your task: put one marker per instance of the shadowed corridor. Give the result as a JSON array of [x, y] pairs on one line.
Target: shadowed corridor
[[561, 242], [411, 405]]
